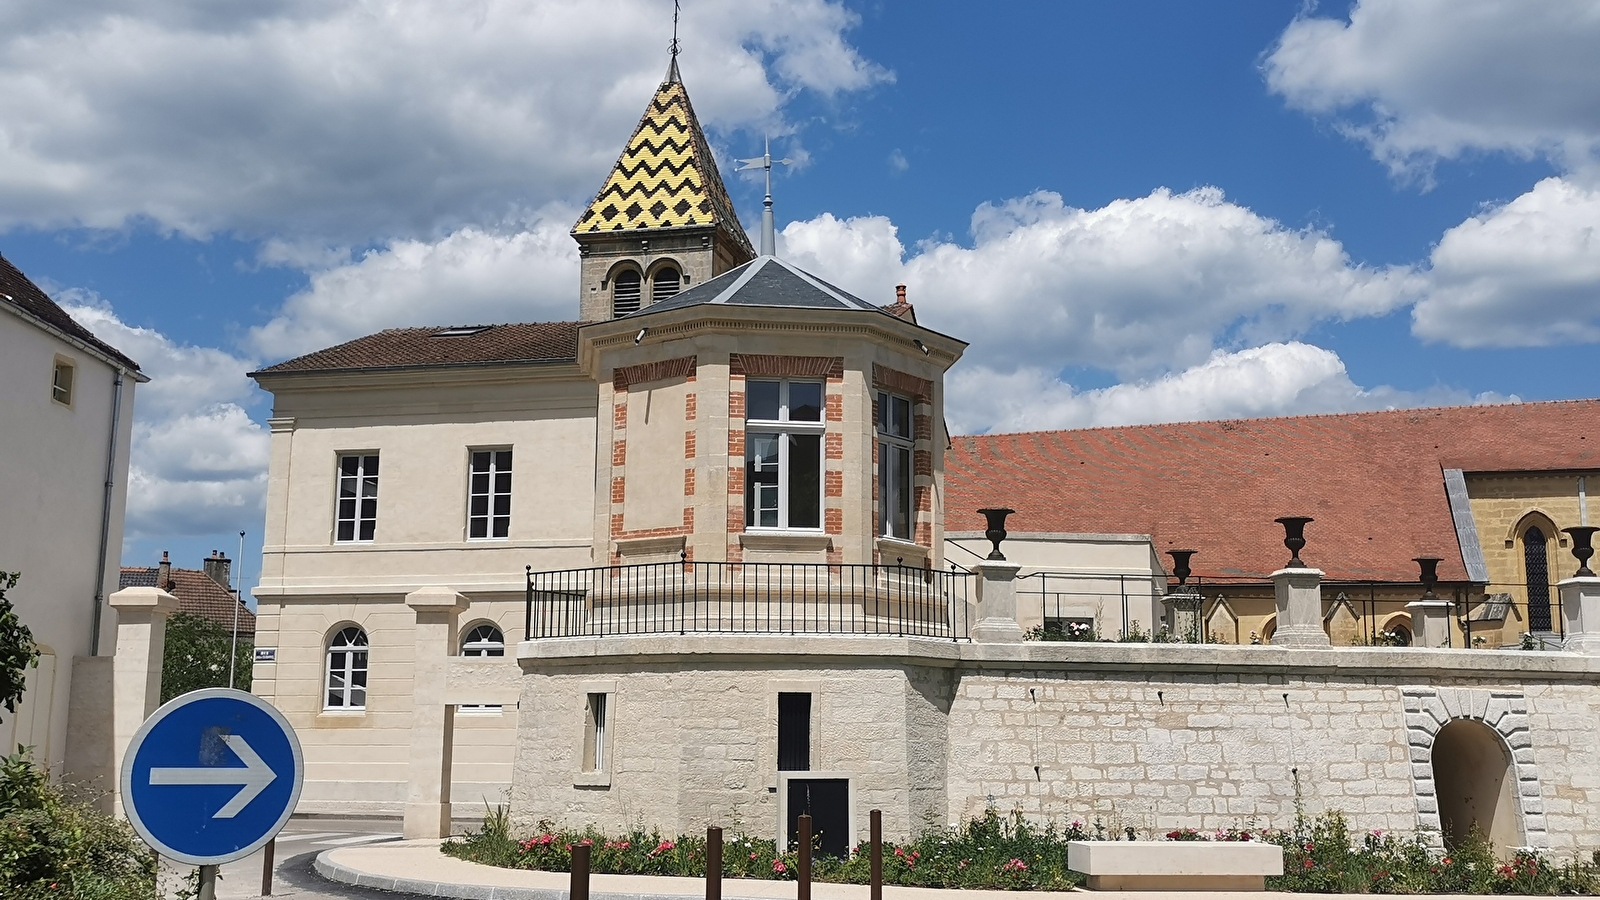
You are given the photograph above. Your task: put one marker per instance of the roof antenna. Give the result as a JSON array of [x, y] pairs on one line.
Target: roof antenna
[[769, 240], [672, 69]]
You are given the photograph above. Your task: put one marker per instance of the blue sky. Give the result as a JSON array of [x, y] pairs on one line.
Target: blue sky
[[1135, 211]]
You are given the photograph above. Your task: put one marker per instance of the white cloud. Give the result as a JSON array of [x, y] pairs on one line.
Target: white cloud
[[1271, 380], [1525, 274], [1137, 287], [199, 464], [468, 277], [1421, 80], [349, 119]]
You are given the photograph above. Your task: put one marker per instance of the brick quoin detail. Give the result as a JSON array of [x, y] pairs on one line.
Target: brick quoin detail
[[619, 412], [833, 446], [669, 531], [690, 406], [742, 364], [736, 483], [833, 521], [833, 484], [835, 407], [619, 453], [682, 367], [901, 382], [688, 482], [735, 445], [688, 445]]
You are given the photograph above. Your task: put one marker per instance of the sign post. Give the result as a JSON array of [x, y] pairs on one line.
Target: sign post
[[211, 777]]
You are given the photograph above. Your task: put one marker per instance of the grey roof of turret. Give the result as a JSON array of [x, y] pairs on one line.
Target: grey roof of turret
[[764, 281]]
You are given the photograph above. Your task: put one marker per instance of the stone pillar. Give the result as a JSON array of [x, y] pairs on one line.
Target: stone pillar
[[427, 812], [1299, 595], [997, 603], [1183, 617], [136, 669], [1430, 623], [1580, 613]]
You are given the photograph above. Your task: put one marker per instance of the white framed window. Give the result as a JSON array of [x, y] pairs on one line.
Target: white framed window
[[783, 454], [61, 381], [483, 639], [345, 682], [357, 515], [895, 444], [489, 495], [594, 733]]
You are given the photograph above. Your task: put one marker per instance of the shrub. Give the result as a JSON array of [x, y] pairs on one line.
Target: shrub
[[56, 846], [196, 656]]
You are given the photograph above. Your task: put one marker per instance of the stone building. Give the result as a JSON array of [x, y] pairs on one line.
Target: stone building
[[686, 560]]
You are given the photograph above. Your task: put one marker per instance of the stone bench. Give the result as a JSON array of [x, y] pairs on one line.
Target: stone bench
[[1175, 865]]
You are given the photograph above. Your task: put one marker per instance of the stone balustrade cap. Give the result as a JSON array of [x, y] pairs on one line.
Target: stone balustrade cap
[[1284, 573], [1580, 580], [151, 599], [437, 599], [999, 567], [1430, 604]]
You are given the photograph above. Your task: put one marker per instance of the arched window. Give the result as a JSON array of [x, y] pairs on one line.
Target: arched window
[[625, 293], [484, 640], [666, 283], [1536, 565], [346, 682]]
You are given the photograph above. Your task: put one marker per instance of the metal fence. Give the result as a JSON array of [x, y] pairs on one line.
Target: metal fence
[[748, 598]]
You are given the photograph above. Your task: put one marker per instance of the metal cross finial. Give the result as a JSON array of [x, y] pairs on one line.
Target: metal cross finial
[[674, 28], [769, 239]]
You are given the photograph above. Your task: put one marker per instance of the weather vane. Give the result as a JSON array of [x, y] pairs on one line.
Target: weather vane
[[765, 161], [674, 29]]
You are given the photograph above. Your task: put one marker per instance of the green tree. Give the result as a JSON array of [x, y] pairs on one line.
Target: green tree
[[196, 656], [17, 650]]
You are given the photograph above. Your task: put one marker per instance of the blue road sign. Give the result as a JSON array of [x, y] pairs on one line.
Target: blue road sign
[[211, 776]]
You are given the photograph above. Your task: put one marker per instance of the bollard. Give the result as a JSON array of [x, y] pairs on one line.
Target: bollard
[[876, 891], [579, 889], [803, 864], [266, 867], [713, 863]]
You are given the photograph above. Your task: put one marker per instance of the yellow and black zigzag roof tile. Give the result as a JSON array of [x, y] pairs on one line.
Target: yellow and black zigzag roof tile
[[666, 176]]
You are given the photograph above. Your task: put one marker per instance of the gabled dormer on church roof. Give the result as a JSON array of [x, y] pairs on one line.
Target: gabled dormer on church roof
[[663, 220]]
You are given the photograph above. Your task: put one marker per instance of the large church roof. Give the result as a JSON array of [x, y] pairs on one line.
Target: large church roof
[[666, 176], [765, 281]]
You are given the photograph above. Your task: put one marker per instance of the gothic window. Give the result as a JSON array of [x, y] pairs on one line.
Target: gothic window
[[625, 293], [346, 677], [783, 454], [1536, 565], [665, 284], [894, 466]]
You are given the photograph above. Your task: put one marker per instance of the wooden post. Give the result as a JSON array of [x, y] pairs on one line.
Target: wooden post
[[713, 863], [266, 867], [804, 862], [876, 891], [579, 889]]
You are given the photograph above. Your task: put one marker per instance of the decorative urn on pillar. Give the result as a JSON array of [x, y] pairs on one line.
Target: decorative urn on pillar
[[1180, 564], [1582, 548], [1183, 602], [1294, 537], [1430, 616], [996, 530], [1580, 596]]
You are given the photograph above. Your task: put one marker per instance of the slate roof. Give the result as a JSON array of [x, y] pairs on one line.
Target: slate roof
[[197, 593], [411, 348], [765, 281], [20, 293], [1373, 482], [666, 177]]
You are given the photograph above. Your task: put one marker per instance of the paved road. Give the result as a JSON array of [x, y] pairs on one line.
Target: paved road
[[298, 844]]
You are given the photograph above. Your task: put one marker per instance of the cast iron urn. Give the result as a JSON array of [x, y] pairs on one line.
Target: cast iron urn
[[1294, 537], [1582, 548], [996, 530], [1428, 567], [1180, 564]]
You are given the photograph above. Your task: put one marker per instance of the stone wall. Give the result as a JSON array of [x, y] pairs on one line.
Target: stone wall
[[1154, 737]]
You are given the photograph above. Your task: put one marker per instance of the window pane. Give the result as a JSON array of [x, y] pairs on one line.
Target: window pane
[[900, 424], [367, 526], [480, 461], [369, 485], [761, 400], [480, 505], [761, 480], [370, 466], [805, 401], [502, 526], [480, 483], [502, 482], [894, 490], [350, 465], [478, 527], [502, 460], [347, 530], [347, 508], [805, 480], [502, 504]]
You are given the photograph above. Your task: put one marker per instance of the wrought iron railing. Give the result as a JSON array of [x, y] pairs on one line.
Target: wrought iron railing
[[748, 598]]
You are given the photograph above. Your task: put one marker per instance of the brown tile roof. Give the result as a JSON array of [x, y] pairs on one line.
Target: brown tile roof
[[1373, 482], [408, 348], [197, 594], [18, 291]]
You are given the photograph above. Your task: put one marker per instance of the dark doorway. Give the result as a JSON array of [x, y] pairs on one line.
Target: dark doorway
[[827, 802]]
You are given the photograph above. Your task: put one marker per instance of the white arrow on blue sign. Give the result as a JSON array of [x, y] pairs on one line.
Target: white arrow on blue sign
[[211, 776]]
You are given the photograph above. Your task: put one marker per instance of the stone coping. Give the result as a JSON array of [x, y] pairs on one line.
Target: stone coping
[[1250, 660]]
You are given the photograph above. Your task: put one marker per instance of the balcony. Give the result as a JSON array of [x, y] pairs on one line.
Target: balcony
[[748, 598]]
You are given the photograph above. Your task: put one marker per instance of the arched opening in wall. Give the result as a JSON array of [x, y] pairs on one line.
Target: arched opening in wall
[[1268, 628], [665, 283], [1475, 786], [625, 293], [1536, 569], [1396, 632]]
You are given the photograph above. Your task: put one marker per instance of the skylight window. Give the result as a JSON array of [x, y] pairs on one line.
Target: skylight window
[[461, 331]]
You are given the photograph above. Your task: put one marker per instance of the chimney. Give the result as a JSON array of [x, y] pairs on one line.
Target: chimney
[[218, 567], [900, 293], [164, 572]]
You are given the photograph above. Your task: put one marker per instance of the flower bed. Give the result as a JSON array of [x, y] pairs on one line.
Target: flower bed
[[1010, 853]]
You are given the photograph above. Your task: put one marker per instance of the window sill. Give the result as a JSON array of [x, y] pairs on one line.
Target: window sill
[[592, 779], [336, 714], [785, 540], [887, 545], [650, 546]]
